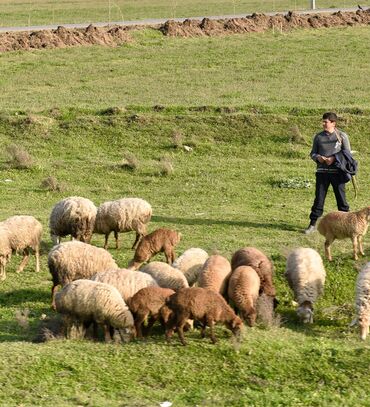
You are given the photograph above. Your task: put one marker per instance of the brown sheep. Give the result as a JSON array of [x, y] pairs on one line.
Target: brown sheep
[[201, 304], [146, 303], [342, 225], [161, 240], [215, 273], [250, 256], [243, 290]]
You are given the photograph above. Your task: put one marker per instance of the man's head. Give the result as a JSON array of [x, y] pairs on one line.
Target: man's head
[[329, 120]]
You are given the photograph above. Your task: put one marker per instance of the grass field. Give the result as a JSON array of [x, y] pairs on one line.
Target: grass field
[[25, 13], [247, 181]]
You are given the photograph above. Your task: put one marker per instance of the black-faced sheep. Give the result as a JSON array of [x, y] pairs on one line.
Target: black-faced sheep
[[147, 302], [73, 216], [84, 302], [215, 273], [71, 261], [305, 274], [165, 275], [342, 225], [202, 305], [161, 240], [190, 263], [123, 215], [363, 301], [19, 234], [243, 291]]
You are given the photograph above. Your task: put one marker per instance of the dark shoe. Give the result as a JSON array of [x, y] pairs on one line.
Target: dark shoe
[[310, 229]]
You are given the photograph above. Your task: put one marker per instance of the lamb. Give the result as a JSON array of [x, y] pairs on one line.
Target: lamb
[[123, 215], [363, 301], [190, 263], [19, 233], [161, 240], [165, 275], [74, 260], [215, 273], [201, 304], [73, 216], [342, 225], [84, 302], [147, 302], [250, 256], [305, 273], [243, 290], [127, 282]]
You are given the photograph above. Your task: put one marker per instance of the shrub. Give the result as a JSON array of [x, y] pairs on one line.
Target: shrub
[[177, 139], [129, 161], [18, 157], [165, 166], [52, 184]]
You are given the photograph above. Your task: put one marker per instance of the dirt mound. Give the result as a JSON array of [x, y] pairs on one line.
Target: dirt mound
[[63, 37]]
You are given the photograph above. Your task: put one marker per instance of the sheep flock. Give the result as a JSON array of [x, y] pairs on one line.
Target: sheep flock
[[195, 289]]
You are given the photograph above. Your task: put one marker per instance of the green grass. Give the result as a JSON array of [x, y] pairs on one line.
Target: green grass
[[39, 12], [221, 196], [235, 70]]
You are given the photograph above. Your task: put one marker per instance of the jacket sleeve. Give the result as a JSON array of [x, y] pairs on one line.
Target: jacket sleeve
[[315, 148]]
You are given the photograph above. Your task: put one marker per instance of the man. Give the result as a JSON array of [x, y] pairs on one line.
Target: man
[[325, 145]]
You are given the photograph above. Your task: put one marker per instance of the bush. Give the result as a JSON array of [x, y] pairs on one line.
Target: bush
[[18, 157], [129, 161]]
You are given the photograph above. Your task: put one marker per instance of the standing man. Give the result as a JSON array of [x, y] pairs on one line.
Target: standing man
[[325, 145]]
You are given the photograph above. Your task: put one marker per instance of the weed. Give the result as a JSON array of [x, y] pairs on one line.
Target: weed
[[51, 184], [165, 166], [18, 157], [177, 139], [129, 161]]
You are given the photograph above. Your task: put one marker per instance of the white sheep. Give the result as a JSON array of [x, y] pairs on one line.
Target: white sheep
[[123, 215], [215, 273], [74, 260], [84, 302], [363, 301], [305, 274], [73, 216], [165, 275], [19, 234], [342, 225], [190, 263], [127, 282]]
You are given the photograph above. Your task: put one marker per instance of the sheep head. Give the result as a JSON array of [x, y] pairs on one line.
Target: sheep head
[[305, 312]]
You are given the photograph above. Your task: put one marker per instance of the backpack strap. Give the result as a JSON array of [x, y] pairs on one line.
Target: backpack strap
[[339, 137]]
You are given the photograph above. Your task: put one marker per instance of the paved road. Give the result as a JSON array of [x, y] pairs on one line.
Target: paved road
[[163, 20]]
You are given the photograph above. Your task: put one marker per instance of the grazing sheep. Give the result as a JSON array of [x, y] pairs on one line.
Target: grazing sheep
[[250, 256], [161, 240], [73, 216], [127, 282], [363, 301], [306, 277], [342, 225], [123, 215], [165, 275], [19, 233], [243, 290], [84, 302], [147, 302], [200, 304], [190, 263], [75, 260], [215, 273]]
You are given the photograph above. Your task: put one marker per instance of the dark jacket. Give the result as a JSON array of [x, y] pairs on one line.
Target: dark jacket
[[346, 164]]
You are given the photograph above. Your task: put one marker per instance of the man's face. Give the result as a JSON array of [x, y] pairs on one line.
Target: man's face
[[328, 125]]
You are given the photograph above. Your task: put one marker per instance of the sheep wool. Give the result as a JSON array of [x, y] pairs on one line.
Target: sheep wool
[[215, 273], [165, 275], [73, 216], [305, 274], [363, 300], [191, 263]]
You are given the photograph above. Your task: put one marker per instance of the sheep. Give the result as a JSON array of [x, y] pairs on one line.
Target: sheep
[[363, 301], [190, 263], [215, 273], [305, 274], [123, 215], [147, 302], [342, 225], [127, 282], [73, 216], [201, 304], [250, 256], [19, 233], [84, 302], [74, 260], [165, 275], [243, 290], [161, 240]]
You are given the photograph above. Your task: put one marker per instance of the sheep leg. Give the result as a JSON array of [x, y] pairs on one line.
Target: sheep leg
[[54, 289], [139, 319], [26, 257], [211, 325], [107, 334], [151, 322], [2, 272], [116, 237], [37, 254], [180, 331], [106, 241], [328, 242], [354, 242], [137, 240], [360, 245]]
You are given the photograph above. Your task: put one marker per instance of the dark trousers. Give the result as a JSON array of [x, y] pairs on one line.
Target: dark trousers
[[323, 180]]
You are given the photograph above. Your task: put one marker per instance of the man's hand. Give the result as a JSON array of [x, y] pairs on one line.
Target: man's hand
[[329, 160], [321, 159]]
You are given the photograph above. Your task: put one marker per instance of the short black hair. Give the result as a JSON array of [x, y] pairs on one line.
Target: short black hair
[[330, 116]]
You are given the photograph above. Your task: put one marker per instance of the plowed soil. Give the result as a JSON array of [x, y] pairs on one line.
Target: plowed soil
[[113, 36]]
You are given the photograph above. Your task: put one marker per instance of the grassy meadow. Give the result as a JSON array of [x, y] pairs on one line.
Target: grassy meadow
[[248, 112]]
